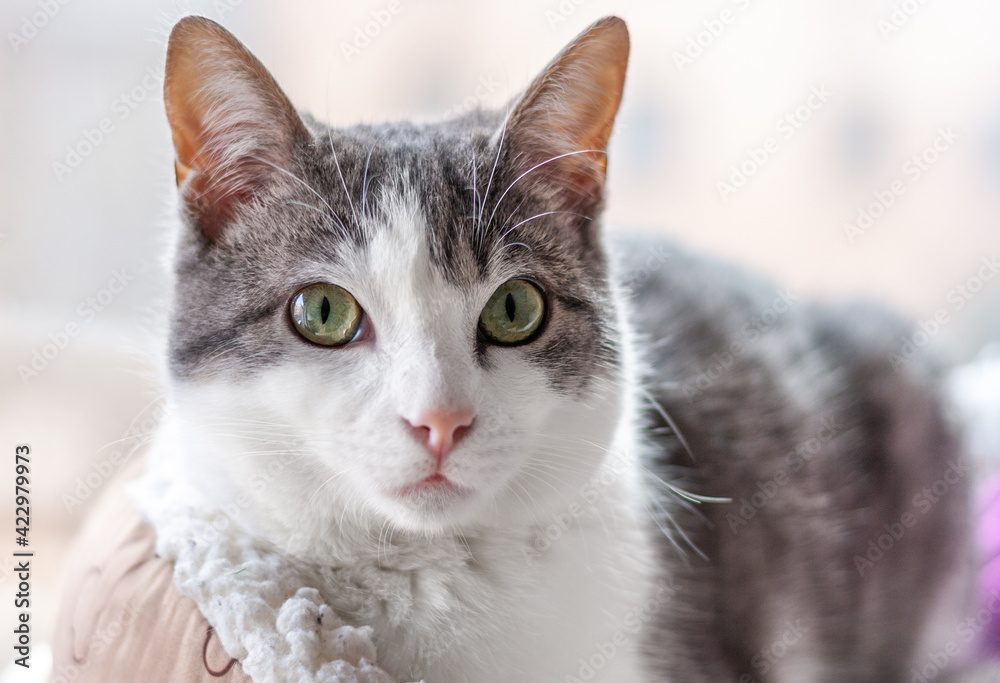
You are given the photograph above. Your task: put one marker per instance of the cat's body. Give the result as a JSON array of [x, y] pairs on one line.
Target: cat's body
[[797, 411], [482, 493]]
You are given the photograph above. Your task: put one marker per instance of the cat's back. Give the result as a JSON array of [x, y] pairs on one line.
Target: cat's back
[[825, 435]]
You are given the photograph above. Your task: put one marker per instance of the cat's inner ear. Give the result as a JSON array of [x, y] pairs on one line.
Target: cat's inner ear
[[233, 128], [559, 129]]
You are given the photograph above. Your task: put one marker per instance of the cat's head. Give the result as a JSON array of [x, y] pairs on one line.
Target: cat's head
[[414, 321]]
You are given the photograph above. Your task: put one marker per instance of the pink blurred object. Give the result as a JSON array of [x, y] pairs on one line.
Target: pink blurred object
[[988, 539]]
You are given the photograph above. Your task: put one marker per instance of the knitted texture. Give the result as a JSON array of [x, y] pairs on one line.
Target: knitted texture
[[258, 603]]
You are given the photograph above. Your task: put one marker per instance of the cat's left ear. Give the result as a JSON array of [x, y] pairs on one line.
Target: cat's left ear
[[559, 129], [233, 128]]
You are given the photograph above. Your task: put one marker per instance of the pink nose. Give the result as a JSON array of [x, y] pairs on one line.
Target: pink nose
[[440, 429]]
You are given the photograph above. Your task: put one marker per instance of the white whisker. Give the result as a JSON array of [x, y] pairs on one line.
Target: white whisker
[[535, 167]]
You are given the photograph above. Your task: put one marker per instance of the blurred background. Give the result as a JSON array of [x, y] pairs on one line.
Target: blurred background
[[842, 147]]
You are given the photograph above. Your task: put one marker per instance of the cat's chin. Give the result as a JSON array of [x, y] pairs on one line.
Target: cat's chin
[[433, 504]]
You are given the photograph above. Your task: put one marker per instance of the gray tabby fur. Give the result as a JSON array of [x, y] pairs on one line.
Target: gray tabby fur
[[231, 295], [813, 394]]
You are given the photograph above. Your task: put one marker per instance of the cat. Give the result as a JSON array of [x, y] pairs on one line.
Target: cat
[[845, 552], [412, 365]]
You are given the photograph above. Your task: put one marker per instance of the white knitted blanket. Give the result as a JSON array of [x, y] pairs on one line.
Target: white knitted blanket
[[259, 604]]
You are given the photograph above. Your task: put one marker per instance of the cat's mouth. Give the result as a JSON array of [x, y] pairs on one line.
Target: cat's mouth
[[435, 483], [432, 497]]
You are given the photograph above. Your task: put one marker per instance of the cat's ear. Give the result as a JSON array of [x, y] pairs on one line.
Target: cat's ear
[[559, 129], [232, 126]]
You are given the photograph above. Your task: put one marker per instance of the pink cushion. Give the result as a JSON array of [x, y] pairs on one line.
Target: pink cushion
[[121, 617]]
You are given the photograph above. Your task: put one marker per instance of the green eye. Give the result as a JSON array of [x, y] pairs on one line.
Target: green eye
[[325, 314], [513, 314]]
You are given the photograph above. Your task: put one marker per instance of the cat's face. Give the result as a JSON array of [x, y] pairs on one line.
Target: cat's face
[[415, 322]]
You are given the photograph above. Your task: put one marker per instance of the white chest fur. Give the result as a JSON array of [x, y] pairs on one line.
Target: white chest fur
[[505, 606], [563, 600]]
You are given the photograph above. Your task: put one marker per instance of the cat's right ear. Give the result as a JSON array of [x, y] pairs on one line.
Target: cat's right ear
[[233, 128], [559, 129]]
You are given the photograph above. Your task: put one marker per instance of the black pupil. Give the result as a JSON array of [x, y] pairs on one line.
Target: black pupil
[[509, 304], [324, 310]]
